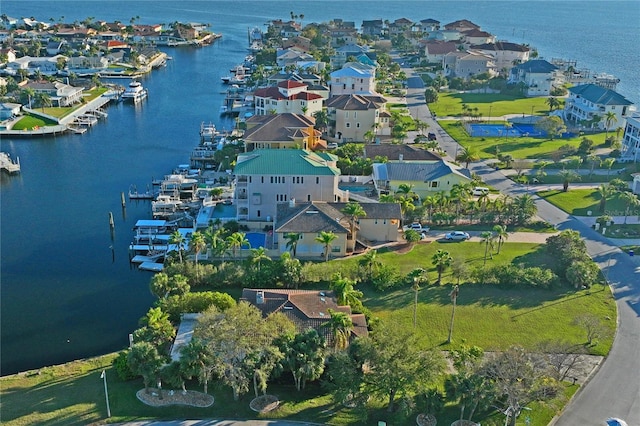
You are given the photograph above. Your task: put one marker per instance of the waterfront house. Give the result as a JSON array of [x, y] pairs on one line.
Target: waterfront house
[[268, 177], [462, 25], [380, 224], [476, 36], [46, 65], [425, 177], [343, 53], [278, 131], [291, 56], [60, 94], [631, 142], [305, 308], [54, 47], [310, 79], [8, 110], [9, 54], [538, 75], [588, 104], [299, 43], [87, 63], [287, 97], [353, 79], [398, 152], [429, 25], [351, 116], [401, 26], [505, 54]]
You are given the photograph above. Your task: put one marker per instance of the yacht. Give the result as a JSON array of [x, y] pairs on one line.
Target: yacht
[[134, 93]]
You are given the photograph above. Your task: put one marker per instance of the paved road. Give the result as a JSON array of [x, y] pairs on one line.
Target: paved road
[[614, 390]]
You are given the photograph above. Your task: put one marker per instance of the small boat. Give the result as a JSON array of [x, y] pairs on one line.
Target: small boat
[[134, 93]]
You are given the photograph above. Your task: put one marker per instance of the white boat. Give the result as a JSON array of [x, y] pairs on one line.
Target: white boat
[[165, 205], [134, 93]]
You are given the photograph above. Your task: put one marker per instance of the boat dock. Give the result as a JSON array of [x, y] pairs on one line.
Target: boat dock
[[8, 165]]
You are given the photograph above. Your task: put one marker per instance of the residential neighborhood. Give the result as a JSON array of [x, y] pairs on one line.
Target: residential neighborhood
[[410, 221]]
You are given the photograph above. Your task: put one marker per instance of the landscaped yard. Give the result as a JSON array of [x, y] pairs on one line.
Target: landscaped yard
[[29, 122], [450, 104]]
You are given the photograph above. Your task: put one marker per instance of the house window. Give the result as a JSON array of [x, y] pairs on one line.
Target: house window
[[317, 180], [355, 114], [347, 125], [249, 179], [258, 213], [346, 114], [434, 184], [271, 179], [358, 125], [308, 197], [335, 249]]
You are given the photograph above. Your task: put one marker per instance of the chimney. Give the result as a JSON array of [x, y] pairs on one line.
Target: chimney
[[260, 297], [292, 202], [401, 157]]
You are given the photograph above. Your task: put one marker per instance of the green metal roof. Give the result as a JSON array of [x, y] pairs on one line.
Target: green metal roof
[[287, 162]]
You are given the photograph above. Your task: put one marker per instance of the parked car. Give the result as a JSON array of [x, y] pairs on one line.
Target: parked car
[[457, 236], [480, 190], [431, 136], [417, 227], [332, 145]]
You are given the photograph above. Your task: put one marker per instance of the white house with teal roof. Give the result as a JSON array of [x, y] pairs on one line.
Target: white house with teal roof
[[588, 105], [352, 80], [268, 177]]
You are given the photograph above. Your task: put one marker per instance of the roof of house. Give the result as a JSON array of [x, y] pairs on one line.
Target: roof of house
[[599, 95], [476, 32], [352, 71], [306, 308], [356, 102], [274, 92], [394, 151], [416, 171], [298, 162], [429, 21], [438, 47], [277, 127], [462, 23], [501, 45], [309, 218], [537, 66]]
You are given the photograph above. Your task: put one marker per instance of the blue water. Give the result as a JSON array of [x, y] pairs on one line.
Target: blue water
[[65, 293]]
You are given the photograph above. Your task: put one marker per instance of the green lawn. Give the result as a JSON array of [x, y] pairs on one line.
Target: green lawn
[[489, 317], [521, 147], [450, 104], [29, 122], [579, 202]]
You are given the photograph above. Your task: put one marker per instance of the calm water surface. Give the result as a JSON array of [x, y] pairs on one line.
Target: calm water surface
[[67, 290]]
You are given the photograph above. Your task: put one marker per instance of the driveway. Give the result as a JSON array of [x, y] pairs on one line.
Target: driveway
[[614, 390]]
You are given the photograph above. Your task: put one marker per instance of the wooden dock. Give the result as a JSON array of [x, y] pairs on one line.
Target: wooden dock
[[8, 165]]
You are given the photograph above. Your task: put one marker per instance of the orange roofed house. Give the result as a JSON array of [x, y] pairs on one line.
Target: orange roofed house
[[306, 308]]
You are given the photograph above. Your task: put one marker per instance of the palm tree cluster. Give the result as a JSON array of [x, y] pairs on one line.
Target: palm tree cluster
[[458, 205]]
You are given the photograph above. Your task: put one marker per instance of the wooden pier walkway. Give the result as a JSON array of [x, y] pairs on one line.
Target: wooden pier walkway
[[8, 165]]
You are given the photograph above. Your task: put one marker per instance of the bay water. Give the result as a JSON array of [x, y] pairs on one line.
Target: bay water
[[67, 290]]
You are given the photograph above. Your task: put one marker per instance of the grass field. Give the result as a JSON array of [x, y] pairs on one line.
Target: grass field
[[450, 104], [579, 202], [489, 317], [29, 122]]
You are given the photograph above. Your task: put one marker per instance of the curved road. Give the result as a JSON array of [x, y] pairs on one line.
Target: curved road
[[614, 390]]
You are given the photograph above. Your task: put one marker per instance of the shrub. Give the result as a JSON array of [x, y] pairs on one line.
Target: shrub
[[385, 277], [194, 302], [122, 367], [509, 276]]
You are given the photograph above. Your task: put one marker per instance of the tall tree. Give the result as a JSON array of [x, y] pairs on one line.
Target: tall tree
[[630, 201], [326, 238], [441, 259], [235, 241], [196, 360], [353, 211], [259, 255], [610, 118], [304, 356], [467, 155], [156, 329], [552, 102], [197, 244], [344, 289], [486, 238], [605, 192], [454, 300], [178, 239], [341, 326], [501, 234], [568, 176]]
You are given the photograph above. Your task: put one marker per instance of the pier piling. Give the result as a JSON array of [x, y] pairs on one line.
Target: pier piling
[[122, 199], [112, 224]]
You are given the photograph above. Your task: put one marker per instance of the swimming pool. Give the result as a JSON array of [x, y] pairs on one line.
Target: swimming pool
[[256, 239], [355, 187]]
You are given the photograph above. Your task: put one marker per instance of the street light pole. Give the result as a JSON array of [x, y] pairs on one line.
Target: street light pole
[[106, 391]]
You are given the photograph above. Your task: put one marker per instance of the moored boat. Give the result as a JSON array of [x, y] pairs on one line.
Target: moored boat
[[134, 93]]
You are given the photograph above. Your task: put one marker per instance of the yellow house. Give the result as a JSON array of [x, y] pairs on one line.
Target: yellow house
[[426, 177]]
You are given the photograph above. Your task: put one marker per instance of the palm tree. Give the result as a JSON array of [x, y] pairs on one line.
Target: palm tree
[[197, 244], [605, 192], [212, 237], [326, 238], [258, 255], [608, 163], [454, 300], [442, 260], [43, 99], [353, 211], [178, 239], [609, 119], [553, 103], [369, 261], [568, 176], [486, 238], [292, 241], [235, 242], [501, 234], [524, 207], [467, 155], [341, 326], [631, 200], [344, 290], [196, 360]]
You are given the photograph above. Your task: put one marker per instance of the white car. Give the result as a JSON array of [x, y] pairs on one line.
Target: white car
[[457, 236], [417, 227], [480, 190], [332, 145]]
